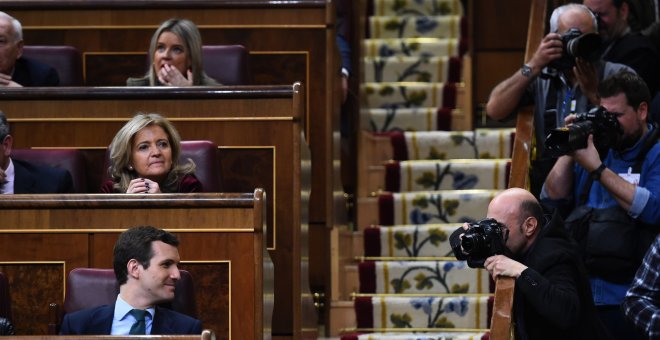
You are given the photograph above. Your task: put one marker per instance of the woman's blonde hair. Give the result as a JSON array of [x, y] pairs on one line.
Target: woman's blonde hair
[[121, 151], [187, 31]]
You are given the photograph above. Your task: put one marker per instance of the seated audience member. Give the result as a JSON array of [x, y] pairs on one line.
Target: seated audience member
[[6, 327], [145, 260], [20, 177], [175, 56], [642, 302], [556, 83], [614, 202], [15, 70], [144, 159], [552, 298]]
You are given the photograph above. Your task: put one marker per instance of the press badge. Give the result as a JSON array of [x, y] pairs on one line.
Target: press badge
[[630, 177]]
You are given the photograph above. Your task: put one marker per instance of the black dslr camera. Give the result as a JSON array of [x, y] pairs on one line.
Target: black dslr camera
[[577, 45], [482, 240], [603, 124]]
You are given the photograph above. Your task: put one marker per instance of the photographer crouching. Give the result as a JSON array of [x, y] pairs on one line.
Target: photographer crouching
[[613, 196], [552, 296]]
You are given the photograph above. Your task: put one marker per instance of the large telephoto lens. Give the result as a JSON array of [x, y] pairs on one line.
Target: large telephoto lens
[[570, 138], [472, 243]]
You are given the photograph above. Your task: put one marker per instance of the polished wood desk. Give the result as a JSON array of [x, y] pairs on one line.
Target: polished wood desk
[[43, 237], [258, 129]]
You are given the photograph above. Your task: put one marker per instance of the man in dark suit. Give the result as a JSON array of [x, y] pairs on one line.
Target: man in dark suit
[[145, 264], [20, 177], [15, 70]]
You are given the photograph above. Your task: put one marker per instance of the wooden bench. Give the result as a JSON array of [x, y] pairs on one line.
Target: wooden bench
[[206, 335], [43, 237], [258, 130]]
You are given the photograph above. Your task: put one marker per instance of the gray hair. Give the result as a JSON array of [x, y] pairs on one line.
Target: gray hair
[[559, 11], [4, 126], [18, 29]]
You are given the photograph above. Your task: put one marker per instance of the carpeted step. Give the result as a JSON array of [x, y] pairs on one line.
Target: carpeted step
[[428, 240], [443, 206], [409, 119], [447, 335], [423, 312], [477, 144], [402, 8], [453, 174], [424, 68], [422, 277], [388, 27], [414, 47], [409, 95]]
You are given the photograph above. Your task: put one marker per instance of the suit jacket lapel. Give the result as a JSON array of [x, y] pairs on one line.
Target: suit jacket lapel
[[101, 322], [161, 324]]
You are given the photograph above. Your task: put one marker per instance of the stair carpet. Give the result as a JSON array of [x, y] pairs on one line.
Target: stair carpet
[[411, 286]]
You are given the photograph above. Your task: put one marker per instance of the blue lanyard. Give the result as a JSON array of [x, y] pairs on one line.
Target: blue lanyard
[[568, 99]]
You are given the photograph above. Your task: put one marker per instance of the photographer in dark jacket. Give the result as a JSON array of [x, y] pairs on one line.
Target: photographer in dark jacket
[[552, 296]]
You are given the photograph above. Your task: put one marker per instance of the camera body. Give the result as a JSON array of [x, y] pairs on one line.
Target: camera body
[[603, 124], [483, 239], [577, 45]]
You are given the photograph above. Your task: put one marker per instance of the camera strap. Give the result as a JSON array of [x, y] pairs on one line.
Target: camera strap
[[636, 168]]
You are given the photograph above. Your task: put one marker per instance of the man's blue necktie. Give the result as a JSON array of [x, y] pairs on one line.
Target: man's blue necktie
[[140, 325]]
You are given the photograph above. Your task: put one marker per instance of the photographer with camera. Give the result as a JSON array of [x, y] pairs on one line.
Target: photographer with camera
[[552, 298], [614, 203], [621, 45], [561, 78]]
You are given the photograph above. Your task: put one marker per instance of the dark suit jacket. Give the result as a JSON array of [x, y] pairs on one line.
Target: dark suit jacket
[[37, 179], [98, 321], [28, 72]]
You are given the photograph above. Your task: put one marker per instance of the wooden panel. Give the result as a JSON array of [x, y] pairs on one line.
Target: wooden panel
[[230, 235], [500, 24], [257, 121], [34, 285], [493, 67], [212, 294]]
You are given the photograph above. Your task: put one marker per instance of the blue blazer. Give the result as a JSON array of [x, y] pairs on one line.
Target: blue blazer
[[29, 72], [37, 179], [98, 321]]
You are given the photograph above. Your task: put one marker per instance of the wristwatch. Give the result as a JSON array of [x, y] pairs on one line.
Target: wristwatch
[[526, 71]]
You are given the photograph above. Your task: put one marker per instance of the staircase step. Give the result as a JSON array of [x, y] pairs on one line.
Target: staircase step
[[414, 47], [422, 277], [424, 68], [428, 240], [409, 119], [389, 27], [443, 206], [453, 174], [399, 8], [477, 144], [409, 95], [381, 312]]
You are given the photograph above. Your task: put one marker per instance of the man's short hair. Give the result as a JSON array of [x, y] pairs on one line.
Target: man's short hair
[[531, 208], [135, 243], [628, 83]]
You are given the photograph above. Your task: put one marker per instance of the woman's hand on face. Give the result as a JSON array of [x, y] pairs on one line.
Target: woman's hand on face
[[170, 76], [143, 186]]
